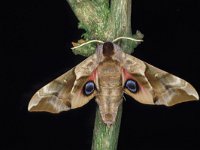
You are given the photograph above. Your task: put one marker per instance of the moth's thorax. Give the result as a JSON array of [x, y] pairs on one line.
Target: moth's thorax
[[109, 73]]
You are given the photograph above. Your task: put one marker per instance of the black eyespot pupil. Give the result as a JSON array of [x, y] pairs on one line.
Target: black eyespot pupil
[[89, 88], [132, 86]]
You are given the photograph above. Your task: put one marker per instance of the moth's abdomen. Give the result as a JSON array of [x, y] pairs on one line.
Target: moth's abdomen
[[109, 101], [110, 90]]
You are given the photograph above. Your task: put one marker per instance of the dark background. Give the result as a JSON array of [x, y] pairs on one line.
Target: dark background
[[36, 49]]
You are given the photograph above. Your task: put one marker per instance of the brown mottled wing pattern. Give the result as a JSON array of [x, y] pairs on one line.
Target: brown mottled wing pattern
[[157, 86], [169, 89], [65, 92]]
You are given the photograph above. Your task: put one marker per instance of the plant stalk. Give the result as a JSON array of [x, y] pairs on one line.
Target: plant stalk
[[104, 21]]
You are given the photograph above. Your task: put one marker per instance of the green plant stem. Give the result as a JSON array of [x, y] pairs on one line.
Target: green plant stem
[[104, 21], [105, 137]]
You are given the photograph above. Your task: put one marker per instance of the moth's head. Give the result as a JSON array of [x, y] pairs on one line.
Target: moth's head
[[108, 50]]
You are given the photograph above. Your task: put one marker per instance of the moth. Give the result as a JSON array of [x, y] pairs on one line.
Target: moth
[[107, 75]]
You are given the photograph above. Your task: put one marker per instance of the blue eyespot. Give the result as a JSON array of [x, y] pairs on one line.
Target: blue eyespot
[[89, 88], [132, 86]]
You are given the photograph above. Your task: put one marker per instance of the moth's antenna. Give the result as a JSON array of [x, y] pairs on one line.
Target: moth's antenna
[[124, 98], [127, 38], [91, 41]]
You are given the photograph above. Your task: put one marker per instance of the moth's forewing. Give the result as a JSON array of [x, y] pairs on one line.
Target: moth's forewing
[[155, 85], [65, 92]]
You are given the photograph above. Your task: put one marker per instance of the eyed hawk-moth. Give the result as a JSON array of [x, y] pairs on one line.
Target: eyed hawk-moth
[[107, 75]]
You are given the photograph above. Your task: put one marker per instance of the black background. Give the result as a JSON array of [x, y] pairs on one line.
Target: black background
[[36, 49]]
